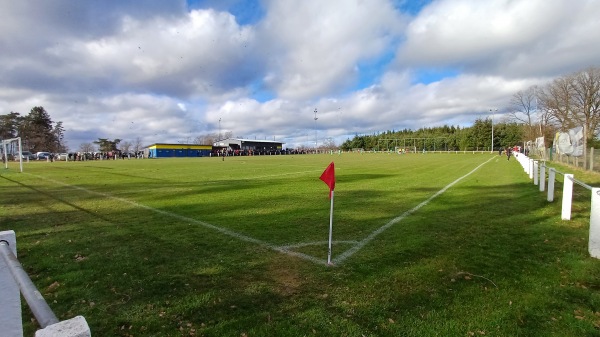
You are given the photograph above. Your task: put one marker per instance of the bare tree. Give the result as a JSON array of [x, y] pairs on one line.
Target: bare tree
[[87, 147], [586, 99], [574, 100], [126, 146], [211, 138], [328, 144], [557, 100], [208, 139], [137, 145], [523, 106]]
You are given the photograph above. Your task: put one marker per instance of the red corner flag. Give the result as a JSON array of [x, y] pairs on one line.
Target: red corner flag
[[328, 178]]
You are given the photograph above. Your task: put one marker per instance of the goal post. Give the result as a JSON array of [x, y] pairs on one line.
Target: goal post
[[12, 147]]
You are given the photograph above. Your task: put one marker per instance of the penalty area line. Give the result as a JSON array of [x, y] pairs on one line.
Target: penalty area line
[[225, 231], [345, 255]]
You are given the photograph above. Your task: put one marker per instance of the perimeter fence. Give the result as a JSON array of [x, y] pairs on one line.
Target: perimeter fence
[[590, 160], [536, 169]]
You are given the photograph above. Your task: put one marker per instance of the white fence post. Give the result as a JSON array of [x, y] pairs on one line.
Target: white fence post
[[74, 327], [551, 178], [535, 172], [10, 296], [542, 177], [594, 242], [567, 197]]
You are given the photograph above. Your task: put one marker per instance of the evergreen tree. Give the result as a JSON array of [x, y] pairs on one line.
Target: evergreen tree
[[107, 145], [36, 129], [9, 125]]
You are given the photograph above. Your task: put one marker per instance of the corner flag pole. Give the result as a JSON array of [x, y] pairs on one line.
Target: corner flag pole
[[328, 178], [330, 228]]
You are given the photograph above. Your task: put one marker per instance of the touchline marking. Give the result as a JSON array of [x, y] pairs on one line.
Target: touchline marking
[[185, 186], [197, 222], [342, 257]]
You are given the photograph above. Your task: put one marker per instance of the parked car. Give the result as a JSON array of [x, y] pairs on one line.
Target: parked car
[[42, 155], [62, 156], [27, 155]]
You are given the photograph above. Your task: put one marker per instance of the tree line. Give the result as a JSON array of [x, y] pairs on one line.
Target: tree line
[[539, 111], [37, 130], [444, 138]]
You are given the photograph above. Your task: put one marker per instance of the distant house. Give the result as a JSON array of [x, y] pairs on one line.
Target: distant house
[[164, 150]]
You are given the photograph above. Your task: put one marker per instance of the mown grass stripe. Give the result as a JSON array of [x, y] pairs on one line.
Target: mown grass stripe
[[221, 230], [345, 255]]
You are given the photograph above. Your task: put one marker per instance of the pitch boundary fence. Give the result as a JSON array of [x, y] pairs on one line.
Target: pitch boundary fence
[[536, 169]]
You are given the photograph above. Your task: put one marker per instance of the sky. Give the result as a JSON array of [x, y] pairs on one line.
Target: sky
[[169, 71]]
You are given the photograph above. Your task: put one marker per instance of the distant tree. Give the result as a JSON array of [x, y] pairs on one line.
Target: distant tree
[[126, 146], [59, 134], [329, 144], [106, 145], [36, 131], [87, 147], [208, 139], [523, 108], [137, 145], [9, 125]]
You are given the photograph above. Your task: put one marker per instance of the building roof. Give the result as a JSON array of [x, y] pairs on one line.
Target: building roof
[[223, 142], [175, 145]]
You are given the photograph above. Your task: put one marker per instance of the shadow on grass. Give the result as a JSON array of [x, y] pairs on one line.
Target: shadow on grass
[[501, 263]]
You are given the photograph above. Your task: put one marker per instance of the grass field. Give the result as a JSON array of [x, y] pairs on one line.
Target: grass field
[[424, 245]]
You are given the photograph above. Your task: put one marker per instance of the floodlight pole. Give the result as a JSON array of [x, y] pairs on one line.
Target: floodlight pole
[[492, 112], [219, 129], [316, 129]]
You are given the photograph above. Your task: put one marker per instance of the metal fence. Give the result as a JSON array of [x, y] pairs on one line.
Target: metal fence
[[14, 280], [590, 161]]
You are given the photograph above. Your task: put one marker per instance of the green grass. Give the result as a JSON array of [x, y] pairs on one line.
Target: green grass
[[188, 247]]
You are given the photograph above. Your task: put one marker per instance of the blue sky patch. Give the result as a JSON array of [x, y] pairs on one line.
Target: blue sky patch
[[246, 12], [411, 7], [370, 71], [430, 75], [260, 93]]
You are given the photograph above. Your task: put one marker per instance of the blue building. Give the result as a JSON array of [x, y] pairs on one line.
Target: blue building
[[164, 150]]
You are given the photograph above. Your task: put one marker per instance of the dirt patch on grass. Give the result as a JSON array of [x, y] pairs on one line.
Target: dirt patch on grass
[[287, 277]]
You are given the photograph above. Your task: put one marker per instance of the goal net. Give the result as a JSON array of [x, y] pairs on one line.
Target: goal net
[[12, 151]]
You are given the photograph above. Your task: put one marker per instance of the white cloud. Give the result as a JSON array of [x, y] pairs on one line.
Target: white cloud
[[153, 69], [511, 38], [317, 44]]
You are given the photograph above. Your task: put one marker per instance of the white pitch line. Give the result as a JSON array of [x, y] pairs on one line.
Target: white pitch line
[[281, 249], [342, 257], [316, 243], [197, 222]]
